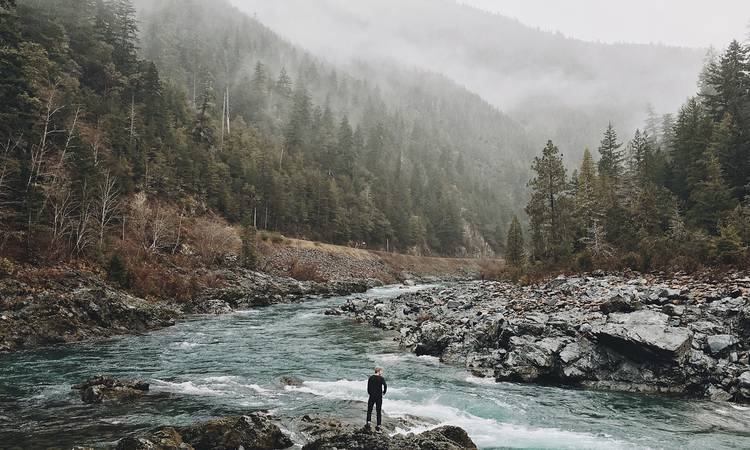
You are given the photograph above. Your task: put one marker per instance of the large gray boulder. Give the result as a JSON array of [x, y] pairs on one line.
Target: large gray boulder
[[645, 335]]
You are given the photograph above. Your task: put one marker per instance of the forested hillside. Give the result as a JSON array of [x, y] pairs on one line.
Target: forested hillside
[[676, 196], [117, 130]]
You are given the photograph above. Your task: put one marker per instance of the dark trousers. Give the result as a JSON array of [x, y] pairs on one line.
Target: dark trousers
[[374, 401]]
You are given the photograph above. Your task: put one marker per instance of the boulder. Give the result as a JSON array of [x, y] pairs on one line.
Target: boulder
[[619, 303], [718, 343], [106, 388], [441, 438], [645, 335], [252, 431], [743, 386], [164, 439], [433, 340]]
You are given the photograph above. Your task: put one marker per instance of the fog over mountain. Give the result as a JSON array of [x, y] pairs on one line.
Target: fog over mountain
[[557, 87]]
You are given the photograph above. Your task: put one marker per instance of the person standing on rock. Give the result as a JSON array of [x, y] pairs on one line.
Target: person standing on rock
[[376, 389]]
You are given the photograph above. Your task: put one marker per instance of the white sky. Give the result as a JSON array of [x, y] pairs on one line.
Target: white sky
[[692, 23]]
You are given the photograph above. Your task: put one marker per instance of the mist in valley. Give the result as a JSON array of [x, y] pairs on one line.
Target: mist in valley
[[556, 87]]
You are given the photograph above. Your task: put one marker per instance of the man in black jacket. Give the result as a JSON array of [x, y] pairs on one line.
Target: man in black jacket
[[376, 389]]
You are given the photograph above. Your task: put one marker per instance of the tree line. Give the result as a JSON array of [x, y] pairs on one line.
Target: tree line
[[676, 196]]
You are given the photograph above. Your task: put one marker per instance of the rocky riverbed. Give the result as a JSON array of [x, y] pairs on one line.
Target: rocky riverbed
[[686, 335], [70, 305]]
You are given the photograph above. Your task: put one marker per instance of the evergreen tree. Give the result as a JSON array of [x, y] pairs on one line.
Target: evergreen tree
[[514, 247], [203, 129], [548, 207], [692, 135], [610, 163], [711, 197], [640, 156], [727, 101], [298, 128], [124, 35], [284, 84]]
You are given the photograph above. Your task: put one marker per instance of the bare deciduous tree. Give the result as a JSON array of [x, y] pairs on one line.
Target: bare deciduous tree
[[107, 203], [81, 230]]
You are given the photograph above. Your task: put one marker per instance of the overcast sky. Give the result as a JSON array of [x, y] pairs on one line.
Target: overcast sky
[[693, 23]]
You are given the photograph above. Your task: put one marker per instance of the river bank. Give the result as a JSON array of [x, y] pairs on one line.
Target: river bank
[[682, 334], [65, 303]]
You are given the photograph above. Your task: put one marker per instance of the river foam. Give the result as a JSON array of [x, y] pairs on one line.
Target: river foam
[[487, 433]]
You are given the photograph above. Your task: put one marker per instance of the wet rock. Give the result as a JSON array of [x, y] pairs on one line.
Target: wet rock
[[250, 432], [441, 438], [290, 381], [105, 388]]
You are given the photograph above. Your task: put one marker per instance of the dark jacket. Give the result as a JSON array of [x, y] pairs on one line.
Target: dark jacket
[[376, 386]]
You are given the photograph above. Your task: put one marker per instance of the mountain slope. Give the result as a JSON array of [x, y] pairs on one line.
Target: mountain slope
[[558, 88], [442, 164]]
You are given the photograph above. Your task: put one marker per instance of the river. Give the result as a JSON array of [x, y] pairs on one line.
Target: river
[[208, 366]]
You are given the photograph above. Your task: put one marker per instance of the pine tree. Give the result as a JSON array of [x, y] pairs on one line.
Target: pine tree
[[667, 134], [298, 128], [640, 156], [652, 125], [124, 36], [514, 247], [284, 84], [610, 163], [728, 96], [587, 202], [711, 197], [548, 207], [729, 81], [203, 129], [692, 135]]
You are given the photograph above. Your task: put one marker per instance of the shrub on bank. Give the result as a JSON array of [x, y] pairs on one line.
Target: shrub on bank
[[305, 271]]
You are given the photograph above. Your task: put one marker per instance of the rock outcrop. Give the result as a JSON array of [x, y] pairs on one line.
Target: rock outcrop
[[332, 434], [252, 432], [681, 335], [73, 307]]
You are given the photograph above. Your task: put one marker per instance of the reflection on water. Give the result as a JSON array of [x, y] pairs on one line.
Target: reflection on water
[[215, 365]]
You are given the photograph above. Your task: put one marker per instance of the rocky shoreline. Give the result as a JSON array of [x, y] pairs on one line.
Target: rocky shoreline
[[72, 306], [685, 335]]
